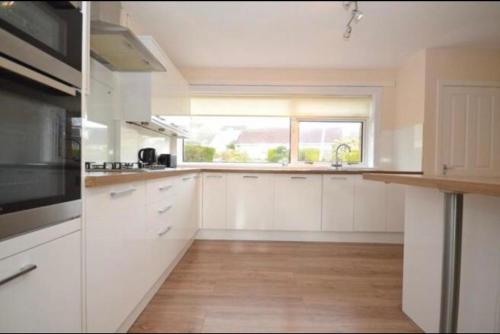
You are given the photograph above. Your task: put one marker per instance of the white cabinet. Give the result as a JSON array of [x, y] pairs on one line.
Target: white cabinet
[[370, 206], [118, 246], [297, 202], [170, 91], [48, 298], [338, 203], [188, 208], [250, 205], [135, 96], [395, 207], [214, 201]]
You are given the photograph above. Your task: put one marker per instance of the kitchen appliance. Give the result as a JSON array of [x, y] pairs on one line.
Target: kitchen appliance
[[44, 35], [110, 167], [40, 117], [147, 156], [116, 46], [161, 126], [168, 160]]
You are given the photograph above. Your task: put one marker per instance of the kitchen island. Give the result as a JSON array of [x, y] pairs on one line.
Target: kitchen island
[[452, 234]]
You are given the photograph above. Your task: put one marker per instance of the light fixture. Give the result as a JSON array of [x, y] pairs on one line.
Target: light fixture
[[356, 16], [7, 4]]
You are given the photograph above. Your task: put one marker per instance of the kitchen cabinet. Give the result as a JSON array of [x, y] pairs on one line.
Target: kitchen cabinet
[[118, 246], [251, 204], [338, 203], [297, 202], [214, 201], [370, 206], [395, 207], [144, 95], [49, 297]]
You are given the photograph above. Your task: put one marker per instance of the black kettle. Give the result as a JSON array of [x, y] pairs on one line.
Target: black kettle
[[147, 156]]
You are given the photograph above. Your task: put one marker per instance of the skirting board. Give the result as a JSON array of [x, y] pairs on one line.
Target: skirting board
[[129, 321], [361, 237]]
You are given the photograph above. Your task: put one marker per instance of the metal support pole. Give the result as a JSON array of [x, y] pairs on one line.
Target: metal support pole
[[452, 253]]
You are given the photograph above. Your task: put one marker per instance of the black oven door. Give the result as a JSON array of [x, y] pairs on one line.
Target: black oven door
[[45, 35], [40, 150]]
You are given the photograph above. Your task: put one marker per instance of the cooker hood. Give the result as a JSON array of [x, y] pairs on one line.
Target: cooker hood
[[116, 46]]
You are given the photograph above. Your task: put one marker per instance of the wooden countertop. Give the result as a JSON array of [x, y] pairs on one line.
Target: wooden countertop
[[468, 185], [99, 179]]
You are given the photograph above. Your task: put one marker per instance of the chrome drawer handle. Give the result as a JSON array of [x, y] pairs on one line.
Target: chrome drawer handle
[[165, 231], [186, 178], [298, 177], [250, 177], [339, 178], [165, 188], [165, 209], [214, 176], [21, 272], [123, 192]]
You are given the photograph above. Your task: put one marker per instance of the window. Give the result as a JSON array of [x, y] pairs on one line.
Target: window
[[278, 129], [319, 140], [239, 139]]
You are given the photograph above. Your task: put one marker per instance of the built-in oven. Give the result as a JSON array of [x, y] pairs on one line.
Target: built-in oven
[[44, 35], [40, 115]]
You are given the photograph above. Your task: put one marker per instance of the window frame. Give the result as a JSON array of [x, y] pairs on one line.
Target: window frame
[[294, 140], [296, 120]]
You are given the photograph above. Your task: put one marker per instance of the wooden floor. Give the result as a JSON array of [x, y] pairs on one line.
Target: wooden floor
[[228, 286]]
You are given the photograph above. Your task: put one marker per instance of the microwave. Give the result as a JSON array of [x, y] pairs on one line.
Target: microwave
[[45, 36], [40, 117]]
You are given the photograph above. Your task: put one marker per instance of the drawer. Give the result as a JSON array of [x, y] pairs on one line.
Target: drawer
[[45, 298], [160, 215], [160, 189]]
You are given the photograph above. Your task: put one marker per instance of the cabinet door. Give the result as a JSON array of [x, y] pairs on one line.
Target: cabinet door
[[250, 205], [118, 245], [48, 298], [338, 203], [395, 207], [370, 206], [297, 202], [214, 201], [189, 205]]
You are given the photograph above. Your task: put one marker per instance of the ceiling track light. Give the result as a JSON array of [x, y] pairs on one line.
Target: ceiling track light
[[356, 16]]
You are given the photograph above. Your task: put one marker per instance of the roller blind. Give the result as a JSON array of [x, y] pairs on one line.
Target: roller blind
[[359, 107]]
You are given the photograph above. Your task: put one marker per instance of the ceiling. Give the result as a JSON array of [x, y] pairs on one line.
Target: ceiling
[[308, 34]]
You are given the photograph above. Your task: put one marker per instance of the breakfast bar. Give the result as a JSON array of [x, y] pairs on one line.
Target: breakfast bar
[[452, 204]]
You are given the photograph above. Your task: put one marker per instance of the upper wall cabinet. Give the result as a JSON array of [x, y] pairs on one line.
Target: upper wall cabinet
[[154, 93]]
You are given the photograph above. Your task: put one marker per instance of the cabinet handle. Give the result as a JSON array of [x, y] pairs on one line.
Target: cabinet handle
[[123, 192], [214, 176], [298, 177], [165, 188], [250, 177], [186, 178], [338, 178], [165, 209], [21, 272], [165, 231]]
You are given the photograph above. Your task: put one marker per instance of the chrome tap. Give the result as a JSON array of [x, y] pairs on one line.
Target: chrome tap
[[338, 163]]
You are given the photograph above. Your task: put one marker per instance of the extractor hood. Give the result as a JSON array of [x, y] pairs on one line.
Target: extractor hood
[[116, 46], [161, 126]]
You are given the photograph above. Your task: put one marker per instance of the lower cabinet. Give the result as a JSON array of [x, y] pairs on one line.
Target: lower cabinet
[[395, 207], [250, 205], [47, 295], [370, 206], [134, 232], [338, 203], [214, 201], [297, 202]]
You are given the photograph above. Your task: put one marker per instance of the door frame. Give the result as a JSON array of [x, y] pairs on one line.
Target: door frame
[[441, 86]]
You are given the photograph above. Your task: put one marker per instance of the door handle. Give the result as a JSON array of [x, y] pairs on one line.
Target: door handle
[[250, 177], [298, 178], [23, 271], [161, 211], [165, 231], [186, 178], [165, 188], [122, 192]]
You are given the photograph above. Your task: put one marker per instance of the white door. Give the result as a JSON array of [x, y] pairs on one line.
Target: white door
[[338, 203], [469, 131], [370, 206], [297, 202], [251, 203], [214, 201]]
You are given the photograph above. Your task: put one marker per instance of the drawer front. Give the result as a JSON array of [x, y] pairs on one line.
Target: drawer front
[[45, 298], [161, 189]]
